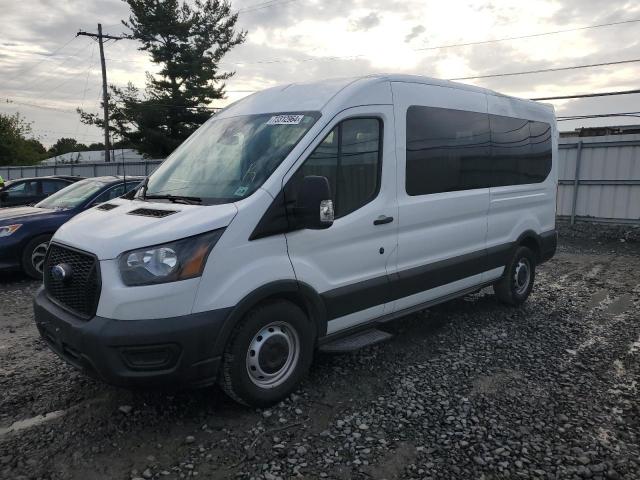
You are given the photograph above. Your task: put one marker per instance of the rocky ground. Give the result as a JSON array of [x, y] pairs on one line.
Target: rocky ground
[[469, 389]]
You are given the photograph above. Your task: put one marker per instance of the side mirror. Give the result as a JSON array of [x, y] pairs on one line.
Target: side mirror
[[314, 207]]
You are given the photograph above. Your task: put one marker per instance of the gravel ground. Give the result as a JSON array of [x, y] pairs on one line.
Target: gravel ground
[[469, 389]]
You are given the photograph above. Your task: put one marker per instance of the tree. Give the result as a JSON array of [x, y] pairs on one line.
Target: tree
[[187, 40], [66, 145], [15, 147]]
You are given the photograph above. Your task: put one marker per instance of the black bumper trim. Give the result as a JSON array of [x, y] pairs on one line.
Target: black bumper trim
[[548, 245], [99, 346]]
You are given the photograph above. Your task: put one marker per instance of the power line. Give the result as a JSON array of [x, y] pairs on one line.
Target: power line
[[34, 105], [454, 45], [532, 35], [86, 84], [589, 95], [47, 56], [260, 6], [546, 70], [35, 80], [601, 115]]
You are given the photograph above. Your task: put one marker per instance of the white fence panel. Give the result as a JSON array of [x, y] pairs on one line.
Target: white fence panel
[[608, 187]]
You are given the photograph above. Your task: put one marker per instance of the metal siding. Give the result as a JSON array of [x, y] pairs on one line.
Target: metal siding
[[81, 169], [612, 158]]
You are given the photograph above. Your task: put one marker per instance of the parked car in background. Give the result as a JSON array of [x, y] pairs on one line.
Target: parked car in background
[[27, 191], [25, 231]]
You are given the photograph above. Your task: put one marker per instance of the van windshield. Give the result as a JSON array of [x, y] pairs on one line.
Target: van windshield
[[228, 159]]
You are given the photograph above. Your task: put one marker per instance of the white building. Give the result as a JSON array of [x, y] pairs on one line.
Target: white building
[[96, 156]]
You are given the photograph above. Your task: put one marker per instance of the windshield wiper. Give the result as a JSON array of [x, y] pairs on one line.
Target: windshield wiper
[[175, 199]]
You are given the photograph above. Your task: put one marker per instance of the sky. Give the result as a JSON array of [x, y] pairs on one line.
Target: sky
[[46, 72]]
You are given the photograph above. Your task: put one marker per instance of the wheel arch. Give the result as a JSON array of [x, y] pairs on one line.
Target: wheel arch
[[531, 240], [298, 293]]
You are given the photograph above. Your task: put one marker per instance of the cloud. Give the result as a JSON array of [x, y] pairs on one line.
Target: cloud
[[306, 40], [415, 32], [365, 23]]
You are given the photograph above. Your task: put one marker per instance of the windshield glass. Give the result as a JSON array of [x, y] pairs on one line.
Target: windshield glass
[[230, 158], [73, 195]]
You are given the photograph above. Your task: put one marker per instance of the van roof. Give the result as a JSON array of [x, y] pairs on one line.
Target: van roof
[[314, 96]]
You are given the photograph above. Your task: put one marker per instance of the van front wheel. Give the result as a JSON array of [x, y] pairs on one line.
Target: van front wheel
[[517, 282], [270, 351]]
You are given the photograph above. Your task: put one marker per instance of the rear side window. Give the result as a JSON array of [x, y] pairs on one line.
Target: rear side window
[[452, 150], [447, 150], [349, 156], [520, 151], [52, 186], [539, 165]]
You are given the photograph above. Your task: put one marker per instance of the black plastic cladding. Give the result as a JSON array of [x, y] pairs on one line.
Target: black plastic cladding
[[79, 294], [106, 207], [150, 212]]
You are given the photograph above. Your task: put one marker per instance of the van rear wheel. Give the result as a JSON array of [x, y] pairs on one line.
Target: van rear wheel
[[517, 282], [269, 353]]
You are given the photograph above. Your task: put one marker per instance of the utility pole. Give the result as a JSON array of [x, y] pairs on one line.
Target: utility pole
[[105, 96]]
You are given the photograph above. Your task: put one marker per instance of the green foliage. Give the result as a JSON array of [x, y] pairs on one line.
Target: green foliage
[[15, 147], [66, 145], [187, 40]]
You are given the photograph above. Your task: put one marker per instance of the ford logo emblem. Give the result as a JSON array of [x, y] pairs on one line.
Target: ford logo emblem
[[61, 272]]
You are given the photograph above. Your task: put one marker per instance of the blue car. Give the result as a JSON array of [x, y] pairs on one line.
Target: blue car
[[25, 231]]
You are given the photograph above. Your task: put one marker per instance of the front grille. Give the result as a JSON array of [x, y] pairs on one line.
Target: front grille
[[79, 293], [150, 212]]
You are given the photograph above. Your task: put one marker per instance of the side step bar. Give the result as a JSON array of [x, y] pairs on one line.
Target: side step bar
[[356, 341]]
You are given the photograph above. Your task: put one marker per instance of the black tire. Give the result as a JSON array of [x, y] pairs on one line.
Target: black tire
[[34, 244], [515, 291], [288, 322]]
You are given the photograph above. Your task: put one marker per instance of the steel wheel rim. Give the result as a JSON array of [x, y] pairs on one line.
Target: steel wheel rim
[[273, 354], [38, 255], [522, 276]]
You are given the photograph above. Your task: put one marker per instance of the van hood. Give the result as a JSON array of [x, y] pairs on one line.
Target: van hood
[[137, 224]]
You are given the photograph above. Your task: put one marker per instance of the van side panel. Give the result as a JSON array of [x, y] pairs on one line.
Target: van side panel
[[348, 264], [236, 266], [447, 227], [515, 209]]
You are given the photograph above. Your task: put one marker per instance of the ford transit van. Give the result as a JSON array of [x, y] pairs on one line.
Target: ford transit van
[[301, 218]]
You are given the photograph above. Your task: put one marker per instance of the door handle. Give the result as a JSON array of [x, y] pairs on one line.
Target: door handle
[[382, 219]]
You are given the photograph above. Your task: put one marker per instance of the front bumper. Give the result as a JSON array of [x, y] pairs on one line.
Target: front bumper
[[11, 253], [177, 351]]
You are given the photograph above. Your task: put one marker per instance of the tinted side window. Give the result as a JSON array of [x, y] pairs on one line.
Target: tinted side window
[[112, 193], [521, 150], [349, 156], [539, 165], [52, 186], [23, 189], [447, 150], [510, 149]]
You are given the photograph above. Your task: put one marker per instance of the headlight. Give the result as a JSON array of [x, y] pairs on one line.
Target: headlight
[[169, 262], [9, 229]]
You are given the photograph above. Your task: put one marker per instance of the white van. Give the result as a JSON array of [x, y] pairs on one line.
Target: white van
[[303, 217]]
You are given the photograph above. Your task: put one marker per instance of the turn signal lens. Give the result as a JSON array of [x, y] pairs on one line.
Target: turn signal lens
[[9, 229]]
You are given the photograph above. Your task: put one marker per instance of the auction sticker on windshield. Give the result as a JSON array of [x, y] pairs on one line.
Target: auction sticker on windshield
[[285, 120]]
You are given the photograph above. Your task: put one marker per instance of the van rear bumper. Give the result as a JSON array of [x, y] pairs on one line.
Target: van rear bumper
[[548, 245], [177, 351]]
